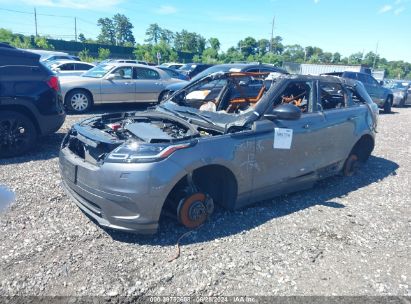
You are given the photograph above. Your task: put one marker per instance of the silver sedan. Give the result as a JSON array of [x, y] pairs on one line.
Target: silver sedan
[[114, 83]]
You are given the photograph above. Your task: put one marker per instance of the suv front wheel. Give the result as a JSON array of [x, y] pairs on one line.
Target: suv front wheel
[[17, 134]]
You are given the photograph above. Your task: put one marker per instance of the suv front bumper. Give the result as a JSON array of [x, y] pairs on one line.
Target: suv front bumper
[[126, 197]]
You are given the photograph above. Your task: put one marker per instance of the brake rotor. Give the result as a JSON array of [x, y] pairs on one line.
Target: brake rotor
[[193, 210]]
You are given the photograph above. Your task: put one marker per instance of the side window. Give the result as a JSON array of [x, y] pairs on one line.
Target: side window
[[299, 93], [364, 79], [124, 73], [83, 66], [147, 74], [332, 96], [67, 67], [373, 81]]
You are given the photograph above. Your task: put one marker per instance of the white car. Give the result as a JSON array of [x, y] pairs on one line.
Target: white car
[[69, 67]]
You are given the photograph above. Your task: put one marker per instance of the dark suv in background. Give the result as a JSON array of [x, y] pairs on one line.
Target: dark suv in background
[[383, 97], [30, 101]]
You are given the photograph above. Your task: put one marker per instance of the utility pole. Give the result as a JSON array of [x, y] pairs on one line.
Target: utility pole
[[375, 56], [35, 20], [272, 33], [75, 29]]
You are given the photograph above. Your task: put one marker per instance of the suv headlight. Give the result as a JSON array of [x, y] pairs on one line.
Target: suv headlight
[[136, 152]]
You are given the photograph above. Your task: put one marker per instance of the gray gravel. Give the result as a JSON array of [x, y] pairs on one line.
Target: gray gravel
[[346, 236]]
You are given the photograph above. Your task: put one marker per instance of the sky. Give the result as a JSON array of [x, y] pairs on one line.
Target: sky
[[344, 26]]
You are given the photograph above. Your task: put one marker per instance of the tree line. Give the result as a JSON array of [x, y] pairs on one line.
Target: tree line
[[171, 45]]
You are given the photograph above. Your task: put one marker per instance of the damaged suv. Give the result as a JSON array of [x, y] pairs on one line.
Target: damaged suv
[[230, 139]]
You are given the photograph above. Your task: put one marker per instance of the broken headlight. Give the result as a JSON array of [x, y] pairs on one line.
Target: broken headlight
[[136, 152]]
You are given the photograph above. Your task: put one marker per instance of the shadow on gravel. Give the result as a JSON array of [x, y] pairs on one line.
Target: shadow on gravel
[[46, 147], [224, 223]]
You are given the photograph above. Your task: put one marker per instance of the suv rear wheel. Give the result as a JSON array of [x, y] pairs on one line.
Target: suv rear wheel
[[79, 101], [17, 134]]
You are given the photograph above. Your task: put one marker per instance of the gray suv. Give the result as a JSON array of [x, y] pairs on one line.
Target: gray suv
[[382, 96], [230, 139]]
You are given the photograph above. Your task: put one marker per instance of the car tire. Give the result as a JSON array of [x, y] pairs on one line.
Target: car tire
[[17, 134], [402, 102], [387, 105], [163, 96], [79, 101], [351, 165]]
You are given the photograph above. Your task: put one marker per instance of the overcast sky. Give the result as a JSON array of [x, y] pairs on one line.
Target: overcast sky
[[345, 26]]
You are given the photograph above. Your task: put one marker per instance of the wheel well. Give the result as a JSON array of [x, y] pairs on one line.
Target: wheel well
[[160, 97], [78, 89], [25, 111], [215, 180], [363, 147]]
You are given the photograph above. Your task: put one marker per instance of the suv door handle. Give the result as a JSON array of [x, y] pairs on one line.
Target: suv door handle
[[354, 117], [306, 126]]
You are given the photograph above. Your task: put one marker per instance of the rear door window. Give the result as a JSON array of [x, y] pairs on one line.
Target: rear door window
[[147, 74]]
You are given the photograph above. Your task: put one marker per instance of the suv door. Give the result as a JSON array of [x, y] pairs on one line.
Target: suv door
[[339, 126], [120, 89], [294, 166]]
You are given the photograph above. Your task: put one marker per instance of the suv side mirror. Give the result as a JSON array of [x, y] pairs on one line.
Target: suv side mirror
[[285, 112], [111, 76], [381, 82]]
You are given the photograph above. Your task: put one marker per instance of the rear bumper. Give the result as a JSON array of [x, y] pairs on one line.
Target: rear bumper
[[50, 123], [118, 196]]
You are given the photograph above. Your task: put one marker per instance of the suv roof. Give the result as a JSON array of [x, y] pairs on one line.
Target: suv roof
[[12, 56]]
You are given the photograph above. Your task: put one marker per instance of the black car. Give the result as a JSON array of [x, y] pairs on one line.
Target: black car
[[230, 67], [30, 101], [192, 69]]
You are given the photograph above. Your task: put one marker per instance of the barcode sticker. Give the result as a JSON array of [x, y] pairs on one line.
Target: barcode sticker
[[282, 138]]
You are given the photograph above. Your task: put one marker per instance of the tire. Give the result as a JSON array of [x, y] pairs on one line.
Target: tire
[[79, 101], [351, 165], [387, 105], [402, 102], [17, 134]]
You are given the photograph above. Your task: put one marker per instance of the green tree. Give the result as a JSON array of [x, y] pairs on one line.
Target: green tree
[[355, 58], [85, 56], [153, 33], [107, 31], [81, 38], [42, 43], [189, 42], [277, 46], [248, 46], [263, 46], [103, 54], [123, 29], [336, 58], [214, 43], [293, 53]]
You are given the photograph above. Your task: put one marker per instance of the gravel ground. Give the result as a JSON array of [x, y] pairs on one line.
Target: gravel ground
[[346, 236]]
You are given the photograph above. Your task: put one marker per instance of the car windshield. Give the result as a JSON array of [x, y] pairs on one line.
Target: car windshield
[[188, 67], [396, 85], [98, 71], [214, 69]]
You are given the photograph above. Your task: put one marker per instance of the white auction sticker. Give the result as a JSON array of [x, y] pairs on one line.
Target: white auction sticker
[[282, 138]]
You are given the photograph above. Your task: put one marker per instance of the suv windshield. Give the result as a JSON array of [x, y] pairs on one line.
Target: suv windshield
[[98, 71]]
